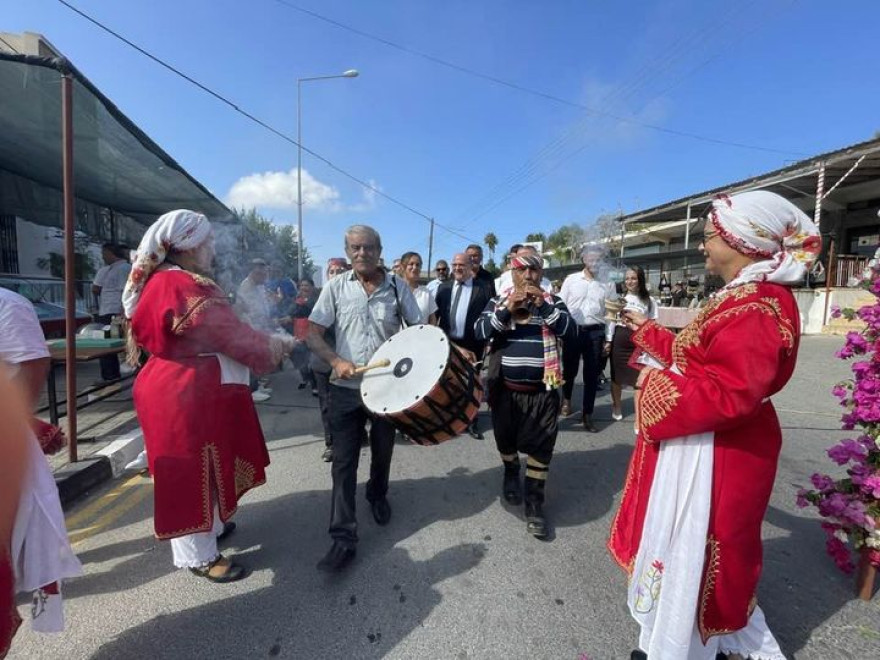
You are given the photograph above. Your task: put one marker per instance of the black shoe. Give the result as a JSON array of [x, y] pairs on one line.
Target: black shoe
[[228, 528], [301, 386], [536, 524], [588, 424], [327, 456], [475, 432], [381, 511], [512, 488], [638, 655], [338, 557]]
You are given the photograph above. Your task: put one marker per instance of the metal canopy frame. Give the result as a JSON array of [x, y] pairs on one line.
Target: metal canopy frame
[[52, 112]]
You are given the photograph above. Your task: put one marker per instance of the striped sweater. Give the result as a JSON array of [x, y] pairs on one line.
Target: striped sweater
[[521, 345]]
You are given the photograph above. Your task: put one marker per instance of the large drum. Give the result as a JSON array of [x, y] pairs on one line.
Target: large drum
[[429, 391]]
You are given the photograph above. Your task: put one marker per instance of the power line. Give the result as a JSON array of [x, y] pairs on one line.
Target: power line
[[529, 90], [256, 120], [531, 167]]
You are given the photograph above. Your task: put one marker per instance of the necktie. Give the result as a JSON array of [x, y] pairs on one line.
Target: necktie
[[453, 312]]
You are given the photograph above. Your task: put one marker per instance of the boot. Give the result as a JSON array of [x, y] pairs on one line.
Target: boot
[[536, 523], [511, 488]]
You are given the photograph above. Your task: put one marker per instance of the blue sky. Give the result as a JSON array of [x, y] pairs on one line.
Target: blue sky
[[795, 77]]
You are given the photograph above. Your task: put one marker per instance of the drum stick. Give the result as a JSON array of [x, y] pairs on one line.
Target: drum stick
[[373, 365]]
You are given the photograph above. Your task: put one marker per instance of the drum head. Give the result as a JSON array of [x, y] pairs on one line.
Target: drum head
[[418, 358]]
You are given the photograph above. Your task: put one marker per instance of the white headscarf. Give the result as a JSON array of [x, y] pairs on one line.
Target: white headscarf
[[768, 227], [178, 230]]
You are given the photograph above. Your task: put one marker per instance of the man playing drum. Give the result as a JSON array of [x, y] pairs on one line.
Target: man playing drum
[[365, 307], [526, 326]]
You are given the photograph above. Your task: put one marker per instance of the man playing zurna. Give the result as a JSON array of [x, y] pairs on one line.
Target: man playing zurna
[[526, 326]]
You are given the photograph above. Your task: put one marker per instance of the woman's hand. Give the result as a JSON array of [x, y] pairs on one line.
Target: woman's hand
[[607, 348], [633, 320]]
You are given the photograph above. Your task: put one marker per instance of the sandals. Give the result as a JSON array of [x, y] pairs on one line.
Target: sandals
[[233, 572]]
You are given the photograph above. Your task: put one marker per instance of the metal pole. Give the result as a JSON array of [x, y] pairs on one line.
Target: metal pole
[[687, 238], [820, 193], [299, 190], [430, 247], [622, 236], [69, 259]]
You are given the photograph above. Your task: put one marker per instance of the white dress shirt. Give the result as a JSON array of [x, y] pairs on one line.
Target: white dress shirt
[[457, 330], [112, 279], [585, 298]]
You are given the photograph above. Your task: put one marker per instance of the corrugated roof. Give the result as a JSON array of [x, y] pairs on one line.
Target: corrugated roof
[[798, 178]]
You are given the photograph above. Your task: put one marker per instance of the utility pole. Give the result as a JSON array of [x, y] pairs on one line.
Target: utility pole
[[430, 247]]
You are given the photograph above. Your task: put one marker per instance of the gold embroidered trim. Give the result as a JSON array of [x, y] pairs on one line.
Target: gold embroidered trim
[[244, 476], [657, 399], [690, 336], [195, 307], [201, 279], [639, 458], [206, 500], [639, 340], [713, 564]]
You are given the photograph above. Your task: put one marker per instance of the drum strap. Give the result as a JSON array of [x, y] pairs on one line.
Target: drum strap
[[403, 323]]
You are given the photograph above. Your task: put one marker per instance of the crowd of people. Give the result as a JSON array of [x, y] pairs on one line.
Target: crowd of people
[[707, 439]]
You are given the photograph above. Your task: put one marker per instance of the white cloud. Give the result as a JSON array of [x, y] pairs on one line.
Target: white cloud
[[278, 190]]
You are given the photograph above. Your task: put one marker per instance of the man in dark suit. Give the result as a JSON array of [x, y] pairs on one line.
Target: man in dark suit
[[475, 255], [460, 301]]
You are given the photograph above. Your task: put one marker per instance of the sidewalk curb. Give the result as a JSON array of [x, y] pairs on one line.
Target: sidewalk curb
[[123, 450], [75, 479]]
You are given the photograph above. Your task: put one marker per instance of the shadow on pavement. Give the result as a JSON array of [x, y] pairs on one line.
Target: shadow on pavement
[[387, 592], [800, 587]]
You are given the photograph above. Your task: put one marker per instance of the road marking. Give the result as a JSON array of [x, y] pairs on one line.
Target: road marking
[[105, 500], [123, 505]]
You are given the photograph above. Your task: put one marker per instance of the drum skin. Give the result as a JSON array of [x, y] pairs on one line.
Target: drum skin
[[430, 392]]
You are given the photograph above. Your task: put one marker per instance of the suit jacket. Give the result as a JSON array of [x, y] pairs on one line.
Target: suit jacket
[[480, 296]]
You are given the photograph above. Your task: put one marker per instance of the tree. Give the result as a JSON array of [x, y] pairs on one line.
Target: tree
[[491, 241], [565, 242], [273, 242], [535, 238]]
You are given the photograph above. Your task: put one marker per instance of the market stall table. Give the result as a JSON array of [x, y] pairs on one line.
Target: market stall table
[[86, 350]]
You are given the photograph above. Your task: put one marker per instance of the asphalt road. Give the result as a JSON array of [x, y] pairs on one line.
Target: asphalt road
[[454, 575]]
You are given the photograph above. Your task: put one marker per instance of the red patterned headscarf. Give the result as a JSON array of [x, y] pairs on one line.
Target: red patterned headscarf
[[772, 230], [178, 230]]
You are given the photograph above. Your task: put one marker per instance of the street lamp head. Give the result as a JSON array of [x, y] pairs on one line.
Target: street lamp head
[[351, 73]]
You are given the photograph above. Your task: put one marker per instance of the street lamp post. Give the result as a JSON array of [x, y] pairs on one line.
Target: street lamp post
[[351, 73]]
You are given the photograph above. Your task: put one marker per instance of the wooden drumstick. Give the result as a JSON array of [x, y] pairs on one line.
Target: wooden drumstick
[[373, 365]]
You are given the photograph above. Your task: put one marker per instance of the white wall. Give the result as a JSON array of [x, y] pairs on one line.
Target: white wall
[[35, 242]]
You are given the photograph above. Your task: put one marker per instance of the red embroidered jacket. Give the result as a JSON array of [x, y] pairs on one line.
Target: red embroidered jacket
[[740, 350]]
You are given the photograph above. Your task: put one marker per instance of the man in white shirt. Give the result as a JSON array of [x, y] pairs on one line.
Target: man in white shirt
[[253, 306], [107, 287], [585, 296]]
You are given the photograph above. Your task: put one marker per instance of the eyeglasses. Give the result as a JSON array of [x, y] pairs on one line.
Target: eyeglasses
[[442, 270]]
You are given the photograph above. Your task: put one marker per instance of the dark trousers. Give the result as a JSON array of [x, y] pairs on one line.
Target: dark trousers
[[322, 384], [109, 363], [348, 418], [526, 422], [587, 346]]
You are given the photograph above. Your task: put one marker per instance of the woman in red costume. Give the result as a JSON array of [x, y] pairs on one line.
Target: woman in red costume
[[202, 434], [688, 531]]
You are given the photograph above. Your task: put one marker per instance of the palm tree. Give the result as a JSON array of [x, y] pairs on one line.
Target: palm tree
[[491, 241]]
